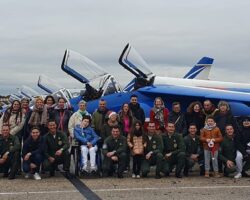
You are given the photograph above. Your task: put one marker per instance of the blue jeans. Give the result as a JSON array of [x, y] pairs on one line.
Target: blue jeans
[[35, 159]]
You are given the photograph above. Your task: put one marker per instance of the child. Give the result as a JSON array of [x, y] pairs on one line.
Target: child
[[137, 144], [211, 138], [88, 139]]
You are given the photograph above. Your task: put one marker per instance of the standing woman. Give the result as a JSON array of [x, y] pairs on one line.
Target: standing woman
[[195, 115], [13, 117], [159, 115], [50, 104], [62, 115]]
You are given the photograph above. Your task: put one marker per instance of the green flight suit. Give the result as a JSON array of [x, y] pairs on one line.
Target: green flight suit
[[52, 144], [11, 145], [119, 147], [173, 144], [228, 152], [155, 146]]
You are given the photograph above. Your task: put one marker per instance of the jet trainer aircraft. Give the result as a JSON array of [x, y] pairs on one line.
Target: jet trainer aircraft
[[147, 86]]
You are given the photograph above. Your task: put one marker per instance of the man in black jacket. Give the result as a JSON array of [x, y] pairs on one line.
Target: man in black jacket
[[136, 109]]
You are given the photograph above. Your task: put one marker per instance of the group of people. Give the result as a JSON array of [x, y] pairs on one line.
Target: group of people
[[41, 138]]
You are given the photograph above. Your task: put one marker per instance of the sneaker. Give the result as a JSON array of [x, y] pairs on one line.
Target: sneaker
[[138, 176], [133, 176], [238, 175], [36, 176], [27, 176]]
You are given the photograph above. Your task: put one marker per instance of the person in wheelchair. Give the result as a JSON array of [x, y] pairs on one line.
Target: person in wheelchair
[[87, 139]]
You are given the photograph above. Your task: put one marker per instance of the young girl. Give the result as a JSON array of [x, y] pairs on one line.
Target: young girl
[[211, 138], [137, 144]]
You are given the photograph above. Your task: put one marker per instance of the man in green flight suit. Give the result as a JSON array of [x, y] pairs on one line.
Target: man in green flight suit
[[114, 150], [9, 152], [173, 151], [56, 150], [153, 151]]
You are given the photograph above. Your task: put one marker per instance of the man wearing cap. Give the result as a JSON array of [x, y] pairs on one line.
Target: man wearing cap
[[136, 109], [243, 149], [153, 151], [9, 152], [56, 150], [114, 151], [173, 152]]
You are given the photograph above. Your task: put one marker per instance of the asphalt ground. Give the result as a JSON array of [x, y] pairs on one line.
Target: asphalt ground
[[192, 187]]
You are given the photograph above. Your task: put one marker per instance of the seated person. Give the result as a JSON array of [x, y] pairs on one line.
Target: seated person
[[114, 151], [56, 150], [243, 149], [9, 152], [227, 152], [173, 151], [87, 138], [32, 153], [153, 151]]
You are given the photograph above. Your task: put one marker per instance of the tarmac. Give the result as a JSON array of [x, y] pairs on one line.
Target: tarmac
[[192, 187]]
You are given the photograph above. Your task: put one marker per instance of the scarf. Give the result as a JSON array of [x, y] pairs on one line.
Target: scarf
[[159, 115], [38, 116], [83, 113], [207, 127]]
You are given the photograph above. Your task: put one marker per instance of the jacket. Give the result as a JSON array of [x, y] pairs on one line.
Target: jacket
[[211, 134], [85, 135]]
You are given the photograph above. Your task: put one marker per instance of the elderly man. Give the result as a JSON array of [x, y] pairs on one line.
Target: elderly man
[[9, 152]]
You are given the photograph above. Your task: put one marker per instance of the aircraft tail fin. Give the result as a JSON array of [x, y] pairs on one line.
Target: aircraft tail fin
[[201, 70]]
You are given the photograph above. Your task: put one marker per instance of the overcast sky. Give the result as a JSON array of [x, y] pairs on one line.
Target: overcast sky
[[170, 35]]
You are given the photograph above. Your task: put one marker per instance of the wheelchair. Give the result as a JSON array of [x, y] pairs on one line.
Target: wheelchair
[[76, 152]]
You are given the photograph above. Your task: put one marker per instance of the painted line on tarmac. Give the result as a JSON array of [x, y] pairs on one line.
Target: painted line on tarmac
[[172, 188], [38, 192]]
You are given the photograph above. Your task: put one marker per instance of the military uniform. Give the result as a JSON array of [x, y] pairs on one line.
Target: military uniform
[[173, 144], [11, 145], [193, 146], [227, 152], [54, 143], [119, 146], [154, 145]]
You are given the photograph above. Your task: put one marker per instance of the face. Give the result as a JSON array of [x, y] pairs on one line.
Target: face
[[35, 134], [102, 105], [85, 123], [246, 123], [170, 128], [151, 129], [25, 104], [39, 103], [158, 103], [177, 108], [49, 101], [82, 106], [115, 132], [192, 130], [210, 122], [5, 131], [207, 105], [223, 108], [16, 105], [125, 108], [197, 108], [113, 117], [61, 103], [52, 127], [229, 131], [137, 126], [133, 100]]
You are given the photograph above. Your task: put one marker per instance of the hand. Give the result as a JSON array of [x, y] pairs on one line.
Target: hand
[[230, 164], [27, 156], [58, 152], [2, 161], [5, 156], [114, 158], [51, 159], [89, 145], [109, 154], [208, 140], [213, 140], [32, 166], [194, 157], [168, 155], [148, 155]]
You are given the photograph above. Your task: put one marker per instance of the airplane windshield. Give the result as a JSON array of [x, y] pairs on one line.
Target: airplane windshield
[[47, 84], [28, 92]]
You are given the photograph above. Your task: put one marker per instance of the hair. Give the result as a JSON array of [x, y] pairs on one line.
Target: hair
[[115, 127], [51, 120], [171, 122], [25, 99], [160, 100], [133, 130], [47, 97], [133, 95], [35, 127], [176, 103], [87, 117], [8, 112], [210, 117], [229, 125], [190, 108], [192, 124], [224, 103]]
